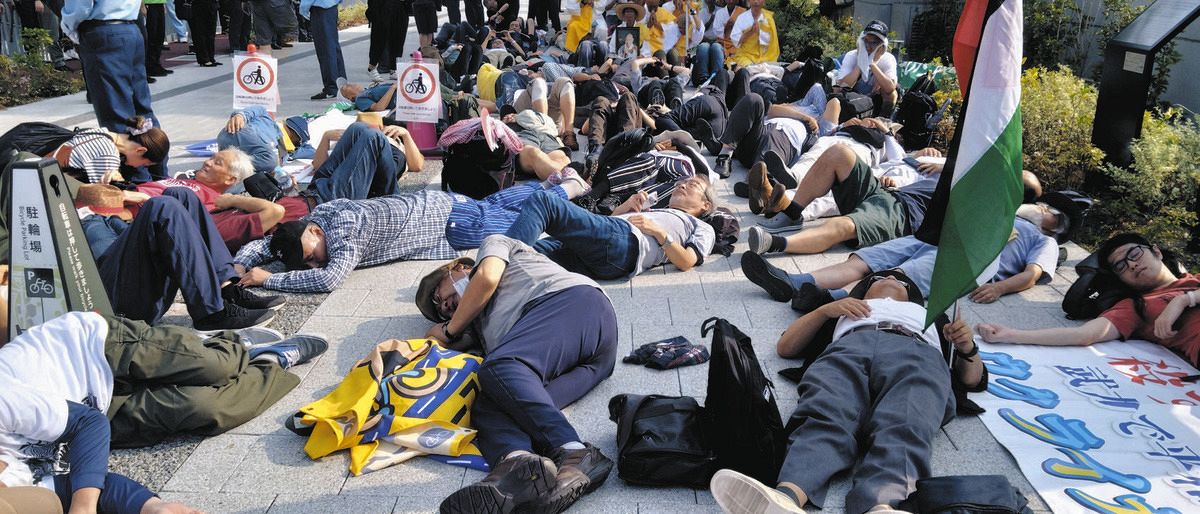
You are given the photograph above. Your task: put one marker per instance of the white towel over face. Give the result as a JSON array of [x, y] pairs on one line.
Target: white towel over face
[[864, 57]]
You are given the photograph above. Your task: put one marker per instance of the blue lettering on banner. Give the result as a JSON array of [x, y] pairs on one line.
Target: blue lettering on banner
[[1095, 384], [1084, 467], [1016, 391], [1054, 429], [1187, 480], [1125, 504], [1183, 456], [1146, 427], [1005, 365]]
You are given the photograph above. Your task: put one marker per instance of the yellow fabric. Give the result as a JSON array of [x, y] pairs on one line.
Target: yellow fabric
[[407, 398], [579, 26], [681, 10], [751, 51], [287, 141], [486, 81], [654, 36], [730, 45]]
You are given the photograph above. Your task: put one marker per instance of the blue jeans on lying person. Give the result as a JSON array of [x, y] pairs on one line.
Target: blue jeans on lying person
[[598, 246]]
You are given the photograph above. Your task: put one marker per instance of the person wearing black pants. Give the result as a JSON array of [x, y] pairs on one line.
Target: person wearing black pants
[[549, 336], [453, 13], [389, 29], [474, 12], [156, 34], [204, 30]]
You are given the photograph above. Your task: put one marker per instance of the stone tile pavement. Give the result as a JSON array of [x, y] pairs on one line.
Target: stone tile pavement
[[260, 467]]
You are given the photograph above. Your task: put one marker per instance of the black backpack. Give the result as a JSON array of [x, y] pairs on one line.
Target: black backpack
[[968, 494], [1093, 292], [744, 426], [661, 441], [854, 105], [473, 169], [35, 137], [916, 113]]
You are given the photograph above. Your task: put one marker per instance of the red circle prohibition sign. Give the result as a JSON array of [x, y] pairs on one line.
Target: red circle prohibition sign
[[268, 80], [429, 91]]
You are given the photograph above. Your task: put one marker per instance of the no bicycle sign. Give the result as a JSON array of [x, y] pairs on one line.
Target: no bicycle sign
[[417, 94], [255, 82]]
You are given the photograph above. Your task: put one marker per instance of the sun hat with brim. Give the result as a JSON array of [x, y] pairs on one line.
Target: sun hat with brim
[[620, 9], [1069, 207], [429, 285], [914, 292], [103, 199]]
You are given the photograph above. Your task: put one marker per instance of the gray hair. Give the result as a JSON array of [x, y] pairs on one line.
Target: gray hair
[[239, 163], [710, 195]]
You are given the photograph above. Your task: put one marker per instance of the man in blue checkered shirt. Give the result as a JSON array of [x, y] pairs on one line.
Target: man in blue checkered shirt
[[321, 249]]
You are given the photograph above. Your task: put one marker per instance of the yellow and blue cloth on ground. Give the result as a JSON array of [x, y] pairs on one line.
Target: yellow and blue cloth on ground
[[406, 399]]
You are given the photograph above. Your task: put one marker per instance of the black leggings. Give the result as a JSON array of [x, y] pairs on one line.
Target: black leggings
[[389, 28]]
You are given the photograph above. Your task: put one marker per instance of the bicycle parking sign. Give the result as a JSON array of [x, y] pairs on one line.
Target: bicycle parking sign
[[254, 82], [418, 98]]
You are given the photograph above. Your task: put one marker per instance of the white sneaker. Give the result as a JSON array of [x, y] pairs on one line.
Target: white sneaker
[[759, 239], [739, 494], [374, 75]]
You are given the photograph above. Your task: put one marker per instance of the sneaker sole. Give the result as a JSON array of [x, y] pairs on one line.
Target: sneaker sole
[[755, 269], [758, 243], [522, 485], [738, 494]]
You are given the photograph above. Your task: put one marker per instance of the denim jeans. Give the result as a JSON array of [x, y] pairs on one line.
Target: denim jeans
[[101, 231], [362, 165], [601, 247], [710, 57], [329, 49]]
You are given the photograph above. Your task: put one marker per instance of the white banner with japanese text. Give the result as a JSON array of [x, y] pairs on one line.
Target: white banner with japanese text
[[1110, 428]]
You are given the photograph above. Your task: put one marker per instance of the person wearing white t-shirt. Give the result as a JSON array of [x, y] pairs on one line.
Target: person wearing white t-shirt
[[870, 69], [874, 364]]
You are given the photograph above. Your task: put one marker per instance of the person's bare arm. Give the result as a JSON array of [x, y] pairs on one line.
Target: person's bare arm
[[480, 290], [883, 83], [1094, 331], [681, 256], [969, 370], [269, 213], [790, 111], [412, 154], [385, 100], [992, 291], [322, 152], [800, 333]]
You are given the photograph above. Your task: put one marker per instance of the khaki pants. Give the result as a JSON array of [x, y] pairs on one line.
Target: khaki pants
[[29, 500], [167, 380], [537, 91]]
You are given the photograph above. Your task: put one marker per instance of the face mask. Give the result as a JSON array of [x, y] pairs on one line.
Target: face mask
[[1030, 213], [460, 285]]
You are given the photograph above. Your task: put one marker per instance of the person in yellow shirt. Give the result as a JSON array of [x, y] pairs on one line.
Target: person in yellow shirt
[[660, 31], [579, 25], [755, 34]]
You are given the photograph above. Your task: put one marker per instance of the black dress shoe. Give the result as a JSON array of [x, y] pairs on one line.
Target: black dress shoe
[[773, 280], [513, 481], [323, 95], [280, 46], [151, 80], [159, 72], [724, 165]]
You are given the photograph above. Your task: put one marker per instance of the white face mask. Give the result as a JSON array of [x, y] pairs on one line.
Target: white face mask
[[460, 285], [1030, 213]]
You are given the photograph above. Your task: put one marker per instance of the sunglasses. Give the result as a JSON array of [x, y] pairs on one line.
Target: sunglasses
[[1131, 256]]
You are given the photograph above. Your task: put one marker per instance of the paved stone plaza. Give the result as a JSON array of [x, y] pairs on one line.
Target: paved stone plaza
[[260, 466]]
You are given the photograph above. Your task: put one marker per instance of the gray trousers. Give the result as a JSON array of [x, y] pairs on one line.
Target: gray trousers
[[877, 394], [274, 21]]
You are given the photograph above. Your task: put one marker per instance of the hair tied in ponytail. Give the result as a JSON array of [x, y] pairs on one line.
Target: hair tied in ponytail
[[143, 126]]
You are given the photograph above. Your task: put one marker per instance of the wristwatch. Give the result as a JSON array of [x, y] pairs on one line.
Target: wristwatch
[[666, 241], [974, 351]]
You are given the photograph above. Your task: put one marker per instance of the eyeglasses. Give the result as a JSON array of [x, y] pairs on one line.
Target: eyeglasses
[[1131, 256]]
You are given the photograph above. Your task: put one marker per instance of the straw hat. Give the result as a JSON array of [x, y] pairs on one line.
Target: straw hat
[[429, 284], [620, 8], [103, 199]]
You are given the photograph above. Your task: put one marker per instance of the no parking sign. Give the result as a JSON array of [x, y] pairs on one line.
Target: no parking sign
[[255, 81], [417, 94]]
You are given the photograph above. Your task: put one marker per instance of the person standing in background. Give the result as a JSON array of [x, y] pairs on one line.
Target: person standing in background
[[113, 56], [323, 15], [156, 35]]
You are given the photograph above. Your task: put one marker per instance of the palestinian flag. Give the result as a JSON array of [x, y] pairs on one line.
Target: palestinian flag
[[971, 214]]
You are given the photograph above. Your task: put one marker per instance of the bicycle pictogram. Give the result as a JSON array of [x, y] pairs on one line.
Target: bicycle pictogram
[[416, 86], [254, 78], [39, 287]]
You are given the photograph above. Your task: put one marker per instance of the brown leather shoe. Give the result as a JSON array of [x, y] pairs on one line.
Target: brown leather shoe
[[512, 482], [579, 472], [777, 199], [569, 141], [760, 187]]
